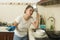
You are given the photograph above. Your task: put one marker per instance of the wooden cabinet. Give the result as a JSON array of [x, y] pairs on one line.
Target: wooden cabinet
[[6, 35]]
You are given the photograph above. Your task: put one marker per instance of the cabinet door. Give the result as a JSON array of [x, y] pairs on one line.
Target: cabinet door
[[10, 36], [2, 36]]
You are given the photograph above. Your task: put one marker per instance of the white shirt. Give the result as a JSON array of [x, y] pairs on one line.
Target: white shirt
[[23, 26]]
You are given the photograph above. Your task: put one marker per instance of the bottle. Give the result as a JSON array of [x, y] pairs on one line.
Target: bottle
[[42, 23]]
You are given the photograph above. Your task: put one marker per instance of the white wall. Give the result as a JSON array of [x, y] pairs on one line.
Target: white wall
[[49, 11], [9, 12]]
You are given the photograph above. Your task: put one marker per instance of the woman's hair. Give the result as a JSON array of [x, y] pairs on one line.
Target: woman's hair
[[29, 6]]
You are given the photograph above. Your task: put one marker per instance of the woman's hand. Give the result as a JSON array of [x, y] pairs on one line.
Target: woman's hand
[[11, 28]]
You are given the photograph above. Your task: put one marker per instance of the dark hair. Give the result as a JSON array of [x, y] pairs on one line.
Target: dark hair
[[29, 6]]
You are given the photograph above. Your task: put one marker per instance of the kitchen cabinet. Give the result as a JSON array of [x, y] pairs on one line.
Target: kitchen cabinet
[[6, 35]]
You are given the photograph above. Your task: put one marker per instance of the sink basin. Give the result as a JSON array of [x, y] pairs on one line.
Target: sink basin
[[39, 34]]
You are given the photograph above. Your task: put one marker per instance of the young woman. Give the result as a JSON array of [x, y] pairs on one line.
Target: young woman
[[23, 23]]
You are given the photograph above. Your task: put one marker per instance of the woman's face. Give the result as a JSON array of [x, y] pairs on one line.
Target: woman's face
[[29, 11]]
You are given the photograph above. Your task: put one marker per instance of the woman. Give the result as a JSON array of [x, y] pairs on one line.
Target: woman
[[23, 23]]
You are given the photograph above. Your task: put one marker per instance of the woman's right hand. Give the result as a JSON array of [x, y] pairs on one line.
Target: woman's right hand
[[11, 28]]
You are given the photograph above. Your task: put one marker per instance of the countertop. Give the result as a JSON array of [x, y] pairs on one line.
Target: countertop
[[4, 29]]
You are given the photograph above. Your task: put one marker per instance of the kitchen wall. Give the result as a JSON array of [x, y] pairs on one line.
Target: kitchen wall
[[9, 12], [52, 10]]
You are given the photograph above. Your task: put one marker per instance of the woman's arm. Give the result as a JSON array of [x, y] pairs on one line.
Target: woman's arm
[[36, 23], [15, 24], [12, 28]]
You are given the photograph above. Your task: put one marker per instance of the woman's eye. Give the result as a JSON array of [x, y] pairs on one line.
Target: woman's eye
[[30, 10]]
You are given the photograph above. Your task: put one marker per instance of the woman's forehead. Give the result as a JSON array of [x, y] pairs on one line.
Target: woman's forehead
[[31, 8]]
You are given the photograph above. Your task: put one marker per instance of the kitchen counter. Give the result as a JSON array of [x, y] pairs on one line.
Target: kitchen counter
[[4, 29]]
